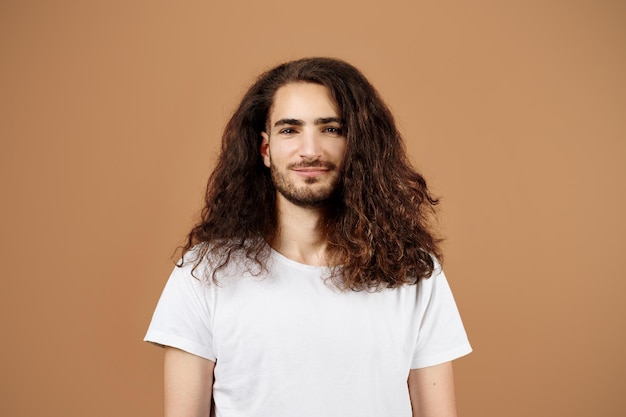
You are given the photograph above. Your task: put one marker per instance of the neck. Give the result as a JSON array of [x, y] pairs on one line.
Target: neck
[[300, 234]]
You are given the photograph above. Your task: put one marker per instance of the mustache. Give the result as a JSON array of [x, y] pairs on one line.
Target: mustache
[[313, 164]]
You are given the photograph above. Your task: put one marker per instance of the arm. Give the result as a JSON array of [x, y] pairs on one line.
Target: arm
[[432, 391], [188, 384]]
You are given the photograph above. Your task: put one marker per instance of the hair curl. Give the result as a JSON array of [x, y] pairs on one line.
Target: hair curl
[[379, 230]]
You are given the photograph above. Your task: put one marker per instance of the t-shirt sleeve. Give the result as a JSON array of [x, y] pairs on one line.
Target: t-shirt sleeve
[[441, 335], [182, 318]]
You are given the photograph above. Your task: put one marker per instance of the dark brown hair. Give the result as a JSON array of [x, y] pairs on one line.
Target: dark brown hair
[[379, 227]]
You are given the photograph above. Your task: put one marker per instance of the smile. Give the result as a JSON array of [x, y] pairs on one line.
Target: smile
[[311, 171]]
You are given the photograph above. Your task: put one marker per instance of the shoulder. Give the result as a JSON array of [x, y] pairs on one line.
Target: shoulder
[[435, 281]]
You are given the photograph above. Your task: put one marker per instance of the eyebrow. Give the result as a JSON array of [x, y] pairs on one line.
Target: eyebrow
[[298, 122]]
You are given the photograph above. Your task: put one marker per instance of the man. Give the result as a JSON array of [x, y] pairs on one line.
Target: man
[[310, 285]]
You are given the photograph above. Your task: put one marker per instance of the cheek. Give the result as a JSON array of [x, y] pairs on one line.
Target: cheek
[[340, 151], [282, 151]]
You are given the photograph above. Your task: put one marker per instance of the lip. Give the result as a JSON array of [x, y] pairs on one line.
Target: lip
[[311, 171]]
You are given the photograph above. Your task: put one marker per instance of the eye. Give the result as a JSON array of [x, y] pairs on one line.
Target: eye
[[287, 131], [336, 131]]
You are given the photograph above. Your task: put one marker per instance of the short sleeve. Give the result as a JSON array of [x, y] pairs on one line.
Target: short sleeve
[[182, 318], [441, 334]]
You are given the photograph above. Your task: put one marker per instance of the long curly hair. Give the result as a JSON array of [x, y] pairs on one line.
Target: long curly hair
[[380, 227]]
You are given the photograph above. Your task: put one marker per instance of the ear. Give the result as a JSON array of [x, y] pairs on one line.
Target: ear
[[265, 149]]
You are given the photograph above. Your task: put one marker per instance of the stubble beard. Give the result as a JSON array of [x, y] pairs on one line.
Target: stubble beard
[[305, 196]]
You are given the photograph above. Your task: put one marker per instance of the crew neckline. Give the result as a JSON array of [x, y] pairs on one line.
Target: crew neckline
[[282, 258]]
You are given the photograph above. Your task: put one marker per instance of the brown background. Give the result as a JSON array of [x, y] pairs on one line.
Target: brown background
[[109, 123]]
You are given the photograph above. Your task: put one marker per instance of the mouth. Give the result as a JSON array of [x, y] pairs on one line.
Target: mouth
[[311, 172], [312, 169]]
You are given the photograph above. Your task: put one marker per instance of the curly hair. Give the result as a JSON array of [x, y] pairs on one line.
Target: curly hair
[[380, 227]]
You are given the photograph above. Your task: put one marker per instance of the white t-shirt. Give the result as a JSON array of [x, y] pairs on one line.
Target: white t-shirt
[[289, 344]]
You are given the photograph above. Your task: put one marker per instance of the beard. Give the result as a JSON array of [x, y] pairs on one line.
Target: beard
[[314, 194]]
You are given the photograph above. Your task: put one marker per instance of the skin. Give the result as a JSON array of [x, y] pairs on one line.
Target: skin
[[432, 391], [188, 384], [304, 148]]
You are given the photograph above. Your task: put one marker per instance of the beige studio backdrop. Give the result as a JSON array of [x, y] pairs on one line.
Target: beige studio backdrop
[[110, 119]]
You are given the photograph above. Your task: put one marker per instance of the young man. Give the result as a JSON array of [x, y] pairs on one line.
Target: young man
[[311, 286]]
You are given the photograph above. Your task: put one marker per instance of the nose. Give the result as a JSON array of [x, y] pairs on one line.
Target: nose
[[310, 145]]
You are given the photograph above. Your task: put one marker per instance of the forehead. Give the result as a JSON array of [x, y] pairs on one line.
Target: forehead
[[303, 101]]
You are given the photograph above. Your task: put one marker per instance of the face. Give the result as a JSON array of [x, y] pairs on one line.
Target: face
[[304, 146]]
